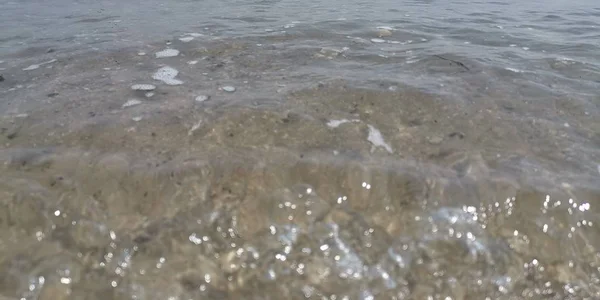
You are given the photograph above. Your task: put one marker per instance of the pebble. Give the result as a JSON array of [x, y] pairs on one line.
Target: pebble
[[435, 140], [131, 102], [376, 138], [167, 53], [228, 89], [202, 98], [186, 39], [377, 40], [384, 33], [143, 87], [167, 75]]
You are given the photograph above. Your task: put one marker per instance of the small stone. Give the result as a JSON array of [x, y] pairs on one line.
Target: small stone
[[131, 102], [167, 53], [143, 87], [376, 138], [435, 140], [202, 98], [228, 88], [377, 41], [384, 33]]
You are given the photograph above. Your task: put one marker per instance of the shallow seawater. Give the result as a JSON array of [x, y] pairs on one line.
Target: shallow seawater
[[300, 150]]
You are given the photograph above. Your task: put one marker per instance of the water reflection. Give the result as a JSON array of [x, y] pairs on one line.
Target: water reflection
[[231, 236]]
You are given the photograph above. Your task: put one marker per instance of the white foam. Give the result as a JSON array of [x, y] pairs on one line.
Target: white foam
[[143, 87], [514, 70], [32, 67], [228, 88], [167, 53], [167, 75], [194, 34], [202, 98], [1, 61], [376, 138], [192, 62], [141, 53], [385, 28], [186, 39], [378, 40], [337, 123], [136, 119], [131, 102], [563, 59], [149, 94]]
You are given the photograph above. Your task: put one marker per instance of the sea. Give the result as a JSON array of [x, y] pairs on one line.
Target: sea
[[285, 149]]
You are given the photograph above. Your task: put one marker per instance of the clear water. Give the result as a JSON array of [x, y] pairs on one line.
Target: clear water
[[299, 150]]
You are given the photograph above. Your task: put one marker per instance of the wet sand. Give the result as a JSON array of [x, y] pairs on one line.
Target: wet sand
[[294, 186]]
